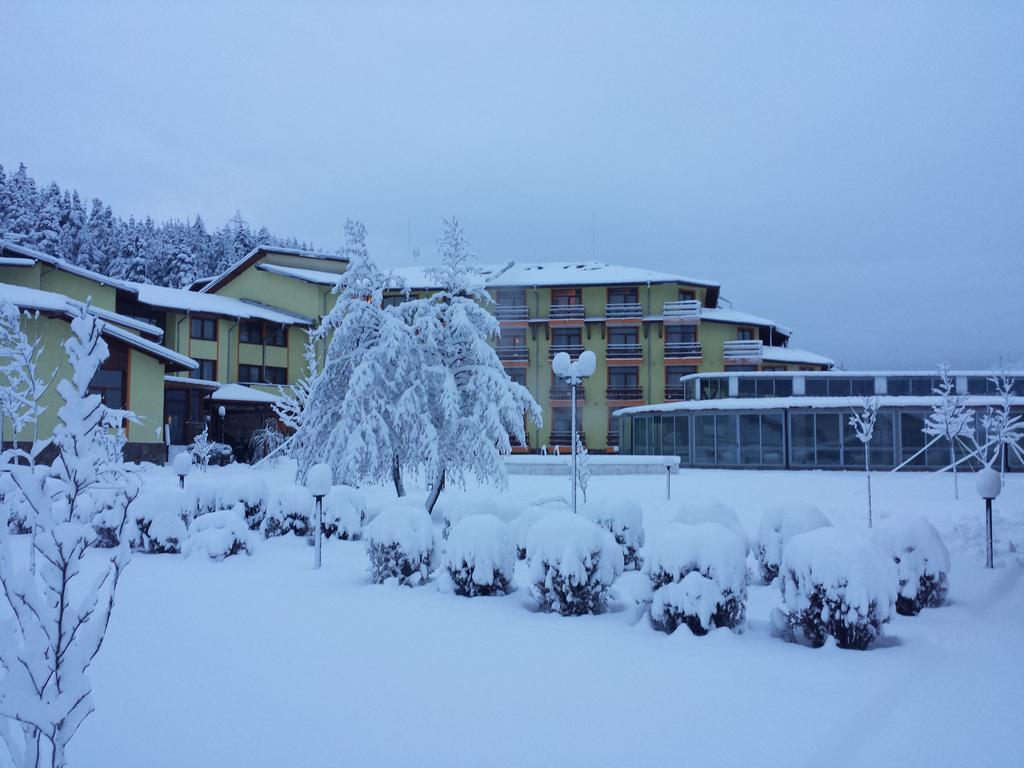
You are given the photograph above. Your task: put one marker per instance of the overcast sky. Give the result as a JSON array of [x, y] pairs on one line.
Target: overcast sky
[[855, 172]]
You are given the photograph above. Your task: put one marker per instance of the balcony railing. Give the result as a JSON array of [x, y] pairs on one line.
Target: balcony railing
[[747, 349], [613, 439], [562, 391], [681, 311], [683, 349], [623, 311], [513, 352], [509, 312], [625, 393], [563, 438], [624, 351], [573, 350], [676, 392], [566, 312]]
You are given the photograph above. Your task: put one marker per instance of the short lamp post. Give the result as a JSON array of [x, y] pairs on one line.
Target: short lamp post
[[182, 466], [574, 373], [989, 484], [221, 413], [318, 481]]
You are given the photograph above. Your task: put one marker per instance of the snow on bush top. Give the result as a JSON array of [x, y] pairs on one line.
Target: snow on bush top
[[521, 525], [695, 595], [454, 508], [219, 534], [483, 542], [569, 542], [782, 522], [291, 499], [248, 489], [914, 544], [623, 517], [710, 548], [713, 512], [408, 527], [846, 564]]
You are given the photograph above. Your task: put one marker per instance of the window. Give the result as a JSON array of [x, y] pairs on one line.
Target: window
[[801, 439], [513, 339], [714, 389], [839, 386], [623, 377], [704, 439], [511, 297], [561, 420], [725, 439], [275, 375], [250, 332], [566, 337], [393, 300], [623, 335], [744, 334], [675, 437], [207, 370], [109, 385], [518, 375], [275, 335], [250, 374], [564, 297], [687, 294], [623, 296], [673, 386], [204, 328], [755, 386], [680, 334]]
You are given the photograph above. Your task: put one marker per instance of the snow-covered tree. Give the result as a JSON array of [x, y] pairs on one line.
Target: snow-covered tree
[[202, 448], [863, 423], [46, 232], [472, 403], [582, 467], [950, 418], [59, 616], [24, 204], [1004, 430], [23, 381]]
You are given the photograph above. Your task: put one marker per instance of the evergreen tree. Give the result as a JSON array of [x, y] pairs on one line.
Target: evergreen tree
[[5, 203], [72, 224], [24, 204], [46, 232]]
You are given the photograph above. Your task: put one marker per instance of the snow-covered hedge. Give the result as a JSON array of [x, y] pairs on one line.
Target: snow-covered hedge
[[454, 508], [107, 517], [572, 563], [400, 545], [290, 510], [624, 519], [13, 502], [219, 534], [710, 550], [922, 562], [480, 557], [159, 520], [344, 512], [250, 491], [713, 512], [836, 583], [521, 525], [202, 493], [778, 525]]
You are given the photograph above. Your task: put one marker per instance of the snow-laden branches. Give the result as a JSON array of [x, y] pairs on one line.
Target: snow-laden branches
[[1004, 430], [23, 382], [582, 466], [863, 423], [950, 419]]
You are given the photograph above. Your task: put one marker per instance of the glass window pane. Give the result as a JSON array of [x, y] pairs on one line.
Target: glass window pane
[[802, 439], [704, 440], [784, 387], [772, 446], [815, 386], [725, 434], [826, 439], [750, 438], [912, 438]]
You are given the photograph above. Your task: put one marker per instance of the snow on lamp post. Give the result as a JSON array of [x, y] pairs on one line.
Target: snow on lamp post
[[574, 373], [221, 413], [989, 483], [182, 466], [318, 481]]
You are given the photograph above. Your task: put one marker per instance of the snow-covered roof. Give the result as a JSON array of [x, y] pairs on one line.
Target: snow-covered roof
[[20, 251], [15, 261], [216, 281], [306, 275], [843, 374], [733, 317], [214, 304], [239, 393], [189, 381], [790, 355], [110, 322], [834, 403]]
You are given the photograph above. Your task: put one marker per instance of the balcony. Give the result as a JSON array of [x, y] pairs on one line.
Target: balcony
[[624, 351], [573, 350], [623, 311], [676, 392], [563, 438], [681, 311], [625, 393], [566, 312], [683, 349], [562, 391], [747, 349], [613, 439], [507, 313], [516, 352]]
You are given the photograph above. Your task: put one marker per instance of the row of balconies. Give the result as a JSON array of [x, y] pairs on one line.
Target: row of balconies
[[731, 351], [672, 311], [562, 391]]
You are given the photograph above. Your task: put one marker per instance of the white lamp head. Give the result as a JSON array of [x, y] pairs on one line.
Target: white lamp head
[[988, 483], [221, 410], [183, 463], [319, 479], [586, 364], [560, 364]]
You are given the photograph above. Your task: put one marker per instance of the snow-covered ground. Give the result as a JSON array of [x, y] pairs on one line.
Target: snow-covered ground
[[260, 661]]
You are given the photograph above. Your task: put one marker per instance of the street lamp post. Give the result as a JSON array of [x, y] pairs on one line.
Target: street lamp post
[[182, 466], [574, 373], [318, 481], [989, 484]]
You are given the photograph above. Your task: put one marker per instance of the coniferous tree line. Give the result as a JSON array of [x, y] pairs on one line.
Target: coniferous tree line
[[175, 252]]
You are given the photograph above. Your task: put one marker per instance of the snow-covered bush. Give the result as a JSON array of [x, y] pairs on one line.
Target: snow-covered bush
[[344, 512], [159, 520], [452, 509], [108, 518], [248, 490], [710, 550], [778, 525], [572, 563], [521, 525], [290, 511], [480, 557], [400, 544], [219, 534], [836, 583], [922, 562], [713, 512], [13, 502], [202, 494], [624, 519], [694, 601]]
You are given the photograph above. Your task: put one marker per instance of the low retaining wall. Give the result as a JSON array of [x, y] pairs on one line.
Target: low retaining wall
[[534, 464]]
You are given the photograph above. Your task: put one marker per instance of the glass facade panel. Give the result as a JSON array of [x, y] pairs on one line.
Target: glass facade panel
[[704, 439], [726, 449], [912, 438], [801, 436], [750, 438], [827, 432], [815, 386], [772, 443]]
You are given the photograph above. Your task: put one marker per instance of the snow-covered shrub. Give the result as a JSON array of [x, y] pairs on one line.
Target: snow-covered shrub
[[624, 519], [202, 494], [248, 490], [521, 525], [107, 518], [290, 511], [452, 509], [13, 502], [710, 550], [922, 562], [572, 563], [344, 512], [480, 557], [836, 583], [694, 601], [400, 545], [159, 520], [778, 525], [219, 534], [714, 512]]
